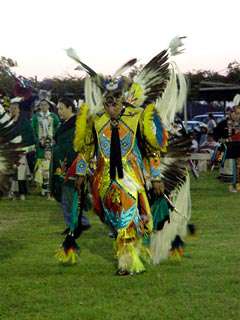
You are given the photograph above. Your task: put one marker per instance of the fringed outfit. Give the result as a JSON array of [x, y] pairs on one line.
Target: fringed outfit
[[45, 126], [118, 184], [126, 144]]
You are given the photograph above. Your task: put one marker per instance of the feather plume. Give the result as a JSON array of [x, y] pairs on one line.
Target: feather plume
[[236, 100], [161, 240], [124, 67], [173, 173], [81, 125], [173, 98], [73, 55], [151, 80], [93, 96], [175, 46], [9, 148]]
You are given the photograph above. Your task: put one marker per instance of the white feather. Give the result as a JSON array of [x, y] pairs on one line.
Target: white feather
[[73, 55], [173, 98], [161, 240], [182, 201], [182, 90], [236, 100], [175, 46], [93, 96], [17, 139], [6, 116], [166, 105], [16, 99], [2, 110]]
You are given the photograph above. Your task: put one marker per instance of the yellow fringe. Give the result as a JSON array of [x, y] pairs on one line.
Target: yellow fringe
[[175, 255], [71, 257], [129, 260], [81, 128], [145, 254], [128, 250]]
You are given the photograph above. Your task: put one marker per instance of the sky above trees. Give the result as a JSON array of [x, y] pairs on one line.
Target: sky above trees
[[106, 33]]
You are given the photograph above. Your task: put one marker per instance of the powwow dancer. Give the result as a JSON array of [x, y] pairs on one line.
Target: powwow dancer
[[10, 142], [122, 123]]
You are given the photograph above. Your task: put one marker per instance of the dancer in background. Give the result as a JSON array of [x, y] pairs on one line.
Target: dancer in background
[[228, 133], [45, 124], [24, 129]]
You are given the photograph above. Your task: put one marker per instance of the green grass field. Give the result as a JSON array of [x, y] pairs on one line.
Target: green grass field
[[204, 285]]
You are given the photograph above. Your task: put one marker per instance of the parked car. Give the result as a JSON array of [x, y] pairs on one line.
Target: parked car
[[193, 125], [218, 116]]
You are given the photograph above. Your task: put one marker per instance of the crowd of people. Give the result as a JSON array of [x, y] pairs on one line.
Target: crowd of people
[[221, 141], [203, 136]]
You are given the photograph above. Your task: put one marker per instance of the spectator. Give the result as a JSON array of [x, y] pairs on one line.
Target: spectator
[[23, 126], [203, 136], [194, 146], [45, 124], [211, 123], [209, 145]]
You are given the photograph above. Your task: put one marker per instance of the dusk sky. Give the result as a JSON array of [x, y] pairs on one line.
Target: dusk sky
[[106, 33]]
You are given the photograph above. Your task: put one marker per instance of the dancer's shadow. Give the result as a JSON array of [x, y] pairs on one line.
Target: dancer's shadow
[[97, 242], [55, 216]]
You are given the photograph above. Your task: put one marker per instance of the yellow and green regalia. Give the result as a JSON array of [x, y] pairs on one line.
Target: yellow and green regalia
[[125, 144], [121, 200]]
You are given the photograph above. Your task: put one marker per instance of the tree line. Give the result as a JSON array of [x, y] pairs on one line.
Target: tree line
[[74, 85]]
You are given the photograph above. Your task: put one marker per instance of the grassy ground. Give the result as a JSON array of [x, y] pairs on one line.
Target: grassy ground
[[203, 286]]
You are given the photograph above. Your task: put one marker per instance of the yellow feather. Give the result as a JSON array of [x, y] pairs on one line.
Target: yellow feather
[[81, 128], [148, 126], [149, 129]]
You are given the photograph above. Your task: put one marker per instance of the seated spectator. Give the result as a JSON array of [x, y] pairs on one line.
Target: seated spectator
[[203, 136], [209, 145], [194, 146]]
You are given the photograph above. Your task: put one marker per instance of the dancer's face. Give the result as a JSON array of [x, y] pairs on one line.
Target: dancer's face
[[113, 110], [113, 105]]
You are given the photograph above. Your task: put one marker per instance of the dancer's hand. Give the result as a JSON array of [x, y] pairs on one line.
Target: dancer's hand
[[158, 187]]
